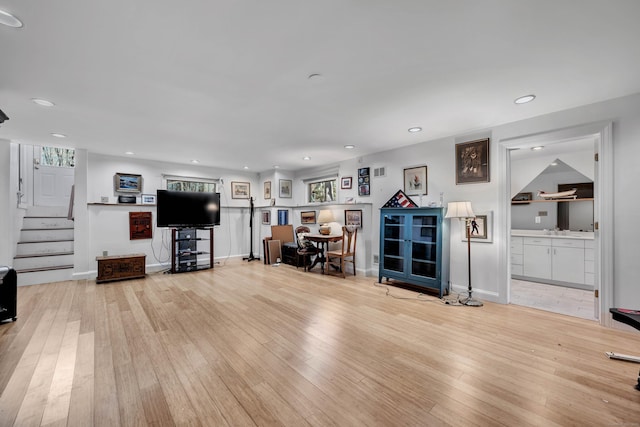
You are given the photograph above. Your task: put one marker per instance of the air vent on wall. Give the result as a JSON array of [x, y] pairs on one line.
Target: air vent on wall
[[379, 172], [376, 259]]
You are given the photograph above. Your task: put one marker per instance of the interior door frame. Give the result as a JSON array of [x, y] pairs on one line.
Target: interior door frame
[[603, 205]]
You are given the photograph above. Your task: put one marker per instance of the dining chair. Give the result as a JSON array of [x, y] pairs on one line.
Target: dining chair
[[305, 248], [347, 253]]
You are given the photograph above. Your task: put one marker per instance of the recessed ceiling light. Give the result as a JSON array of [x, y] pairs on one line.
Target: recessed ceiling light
[[538, 148], [245, 167], [9, 20], [59, 135], [129, 153], [195, 161], [415, 129], [306, 158], [276, 167], [525, 99], [43, 102], [554, 164], [349, 146]]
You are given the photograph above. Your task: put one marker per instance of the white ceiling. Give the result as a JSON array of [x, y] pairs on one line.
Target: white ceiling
[[226, 82]]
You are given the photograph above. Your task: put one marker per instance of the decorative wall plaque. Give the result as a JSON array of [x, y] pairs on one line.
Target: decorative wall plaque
[[140, 226]]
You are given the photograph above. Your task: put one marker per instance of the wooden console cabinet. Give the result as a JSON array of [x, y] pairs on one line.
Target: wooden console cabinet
[[121, 267]]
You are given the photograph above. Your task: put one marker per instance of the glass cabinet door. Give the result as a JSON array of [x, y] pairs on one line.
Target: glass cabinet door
[[424, 239], [394, 250]]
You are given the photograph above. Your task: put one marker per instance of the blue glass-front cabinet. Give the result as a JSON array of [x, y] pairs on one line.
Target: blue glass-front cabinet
[[411, 247]]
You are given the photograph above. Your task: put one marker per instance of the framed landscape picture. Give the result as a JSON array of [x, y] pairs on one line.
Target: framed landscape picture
[[240, 190], [308, 217], [285, 188], [472, 162]]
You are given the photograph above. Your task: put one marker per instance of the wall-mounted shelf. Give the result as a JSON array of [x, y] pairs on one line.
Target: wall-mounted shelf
[[120, 204], [526, 202]]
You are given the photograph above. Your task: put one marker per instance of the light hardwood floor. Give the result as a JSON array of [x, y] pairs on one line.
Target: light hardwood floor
[[250, 344]]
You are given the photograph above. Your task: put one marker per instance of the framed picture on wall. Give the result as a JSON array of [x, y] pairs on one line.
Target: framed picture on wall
[[266, 217], [285, 188], [415, 181], [240, 190], [481, 228], [364, 183], [308, 217], [345, 183], [472, 162], [267, 190], [353, 217], [127, 183], [148, 199]]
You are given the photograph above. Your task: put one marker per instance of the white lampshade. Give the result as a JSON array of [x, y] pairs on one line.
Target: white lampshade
[[459, 210], [325, 217]]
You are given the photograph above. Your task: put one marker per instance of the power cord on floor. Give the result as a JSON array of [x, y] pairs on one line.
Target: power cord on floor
[[451, 299]]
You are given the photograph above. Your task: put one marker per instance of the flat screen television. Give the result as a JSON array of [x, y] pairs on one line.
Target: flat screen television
[[187, 209]]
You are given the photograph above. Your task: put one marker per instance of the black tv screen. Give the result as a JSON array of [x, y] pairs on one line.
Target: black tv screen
[[187, 209]]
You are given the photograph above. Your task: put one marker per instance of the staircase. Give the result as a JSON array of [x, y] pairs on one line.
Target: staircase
[[45, 249]]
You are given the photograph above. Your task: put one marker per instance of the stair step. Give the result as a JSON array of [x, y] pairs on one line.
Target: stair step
[[26, 262], [37, 276], [46, 222], [41, 255], [48, 247], [60, 211], [46, 234]]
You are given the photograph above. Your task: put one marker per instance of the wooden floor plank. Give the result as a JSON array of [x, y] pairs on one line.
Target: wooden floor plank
[[251, 344]]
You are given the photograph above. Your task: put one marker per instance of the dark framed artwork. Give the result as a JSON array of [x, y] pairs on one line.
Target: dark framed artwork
[[481, 228], [472, 162], [240, 190], [308, 217], [353, 217], [345, 183], [415, 181], [266, 217], [140, 226], [364, 182], [285, 188], [267, 190]]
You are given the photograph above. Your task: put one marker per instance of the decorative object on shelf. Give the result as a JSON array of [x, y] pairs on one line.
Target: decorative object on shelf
[[353, 217], [104, 199], [240, 190], [267, 190], [127, 183], [522, 197], [569, 194], [324, 218], [345, 183], [349, 200], [285, 188], [415, 181], [140, 226], [400, 200], [364, 182], [283, 216], [481, 228], [266, 217], [148, 199], [472, 162], [308, 217], [273, 202], [127, 199], [464, 212]]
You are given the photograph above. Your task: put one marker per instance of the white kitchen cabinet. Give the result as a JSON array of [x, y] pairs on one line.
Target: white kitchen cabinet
[[568, 264], [517, 256], [537, 258]]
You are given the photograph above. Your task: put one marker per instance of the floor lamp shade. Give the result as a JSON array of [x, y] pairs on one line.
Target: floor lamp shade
[[464, 212]]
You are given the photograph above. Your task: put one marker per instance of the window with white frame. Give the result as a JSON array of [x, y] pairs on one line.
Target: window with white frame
[[323, 191]]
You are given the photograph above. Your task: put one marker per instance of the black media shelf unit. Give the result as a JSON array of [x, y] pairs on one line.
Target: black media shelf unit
[[187, 247]]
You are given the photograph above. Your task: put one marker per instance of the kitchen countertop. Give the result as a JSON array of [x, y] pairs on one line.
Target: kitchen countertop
[[577, 235]]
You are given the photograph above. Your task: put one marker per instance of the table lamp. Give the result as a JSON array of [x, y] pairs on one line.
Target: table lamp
[[463, 211], [324, 218]]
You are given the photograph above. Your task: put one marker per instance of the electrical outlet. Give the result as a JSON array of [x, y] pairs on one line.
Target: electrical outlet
[[537, 220]]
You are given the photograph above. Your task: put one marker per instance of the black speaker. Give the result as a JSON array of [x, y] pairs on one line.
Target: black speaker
[[8, 293], [126, 199]]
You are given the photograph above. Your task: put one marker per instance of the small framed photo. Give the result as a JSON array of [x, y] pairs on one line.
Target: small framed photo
[[267, 190], [285, 188], [472, 162], [346, 182], [415, 181], [308, 217], [481, 228], [266, 217], [240, 190], [353, 217], [148, 199]]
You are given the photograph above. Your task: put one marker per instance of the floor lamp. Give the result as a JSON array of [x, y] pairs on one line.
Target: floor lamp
[[463, 211]]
